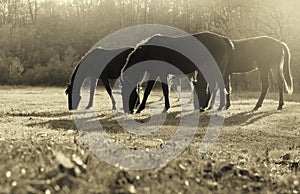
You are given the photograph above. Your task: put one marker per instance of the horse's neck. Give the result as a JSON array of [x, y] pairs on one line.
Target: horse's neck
[[77, 83]]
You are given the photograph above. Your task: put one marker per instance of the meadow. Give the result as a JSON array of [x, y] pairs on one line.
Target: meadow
[[42, 151]]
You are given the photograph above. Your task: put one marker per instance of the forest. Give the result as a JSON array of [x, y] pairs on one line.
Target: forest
[[41, 41]]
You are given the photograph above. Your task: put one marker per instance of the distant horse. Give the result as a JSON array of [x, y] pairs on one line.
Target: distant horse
[[175, 83], [108, 62], [267, 55], [216, 46]]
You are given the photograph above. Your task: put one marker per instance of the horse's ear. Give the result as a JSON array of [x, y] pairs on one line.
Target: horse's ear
[[68, 89]]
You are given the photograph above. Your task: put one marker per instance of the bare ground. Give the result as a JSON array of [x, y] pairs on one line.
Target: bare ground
[[42, 152]]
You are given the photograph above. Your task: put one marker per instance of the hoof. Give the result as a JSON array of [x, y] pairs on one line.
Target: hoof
[[140, 109], [221, 108], [201, 109], [166, 109], [280, 106], [210, 108], [227, 107], [256, 107]]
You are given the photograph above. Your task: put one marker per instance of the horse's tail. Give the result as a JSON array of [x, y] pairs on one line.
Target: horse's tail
[[285, 69]]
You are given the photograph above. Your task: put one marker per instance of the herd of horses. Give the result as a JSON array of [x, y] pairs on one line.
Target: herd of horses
[[265, 54]]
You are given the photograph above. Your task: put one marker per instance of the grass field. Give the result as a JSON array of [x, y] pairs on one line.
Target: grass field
[[42, 152]]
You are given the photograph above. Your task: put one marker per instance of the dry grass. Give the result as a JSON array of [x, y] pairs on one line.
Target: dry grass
[[42, 151]]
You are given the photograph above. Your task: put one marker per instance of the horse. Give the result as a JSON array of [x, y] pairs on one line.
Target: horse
[[175, 83], [107, 61], [216, 46], [265, 54]]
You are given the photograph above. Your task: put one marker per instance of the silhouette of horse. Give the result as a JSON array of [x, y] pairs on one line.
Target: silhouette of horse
[[175, 83], [267, 55], [108, 62], [217, 47]]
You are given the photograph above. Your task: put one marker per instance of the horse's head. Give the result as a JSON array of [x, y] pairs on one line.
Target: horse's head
[[129, 79], [73, 99], [129, 95]]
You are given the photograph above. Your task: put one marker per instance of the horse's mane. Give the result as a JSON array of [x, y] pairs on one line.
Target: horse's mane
[[79, 63], [76, 69], [142, 42], [255, 38]]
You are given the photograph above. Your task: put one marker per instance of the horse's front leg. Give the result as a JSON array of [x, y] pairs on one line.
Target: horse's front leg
[[148, 89], [200, 95], [164, 85], [138, 91], [178, 89], [212, 99], [192, 92], [109, 91], [92, 92]]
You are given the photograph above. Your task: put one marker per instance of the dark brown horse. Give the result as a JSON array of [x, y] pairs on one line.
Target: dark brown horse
[[267, 55], [98, 63], [219, 48]]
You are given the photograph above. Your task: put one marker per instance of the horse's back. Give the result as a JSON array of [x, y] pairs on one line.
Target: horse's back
[[213, 42], [183, 52], [257, 52], [220, 47]]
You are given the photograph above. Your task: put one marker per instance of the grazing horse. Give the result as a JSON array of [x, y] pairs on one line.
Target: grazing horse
[[267, 55], [108, 62], [175, 83], [215, 49]]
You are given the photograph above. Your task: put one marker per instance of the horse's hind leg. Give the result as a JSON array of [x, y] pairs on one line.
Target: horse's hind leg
[[109, 91], [280, 88], [165, 87], [192, 92], [276, 74], [92, 92], [264, 90], [178, 89]]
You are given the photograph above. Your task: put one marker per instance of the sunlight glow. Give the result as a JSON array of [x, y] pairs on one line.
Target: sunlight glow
[[56, 1]]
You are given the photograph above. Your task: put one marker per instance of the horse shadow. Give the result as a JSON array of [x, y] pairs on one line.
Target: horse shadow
[[56, 124], [38, 114], [111, 122], [248, 117]]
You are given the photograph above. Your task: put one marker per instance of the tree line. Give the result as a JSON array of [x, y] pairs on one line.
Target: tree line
[[42, 41]]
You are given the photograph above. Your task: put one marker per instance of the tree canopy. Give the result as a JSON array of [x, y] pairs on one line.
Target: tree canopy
[[42, 41]]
